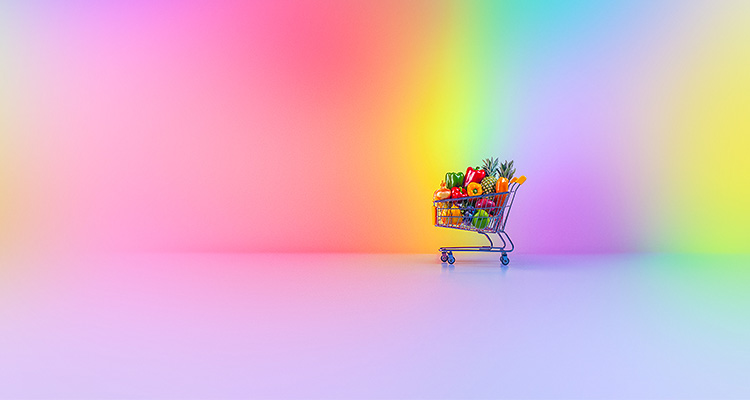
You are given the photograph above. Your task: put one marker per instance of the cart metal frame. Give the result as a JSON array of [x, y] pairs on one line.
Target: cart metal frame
[[497, 205]]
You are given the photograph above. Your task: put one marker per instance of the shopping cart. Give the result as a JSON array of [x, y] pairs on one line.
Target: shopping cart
[[464, 214]]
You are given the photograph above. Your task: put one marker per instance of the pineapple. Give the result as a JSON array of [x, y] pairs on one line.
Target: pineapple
[[489, 181], [506, 170]]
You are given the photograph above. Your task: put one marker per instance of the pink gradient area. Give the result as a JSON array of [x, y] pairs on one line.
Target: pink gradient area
[[202, 125]]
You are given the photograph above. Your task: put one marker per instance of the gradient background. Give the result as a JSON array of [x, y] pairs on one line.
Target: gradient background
[[151, 151], [326, 125]]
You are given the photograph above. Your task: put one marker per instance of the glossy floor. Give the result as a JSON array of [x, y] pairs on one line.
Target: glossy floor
[[375, 326]]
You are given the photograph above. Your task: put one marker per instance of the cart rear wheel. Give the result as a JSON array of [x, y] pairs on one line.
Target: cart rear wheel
[[451, 259], [444, 257], [504, 259]]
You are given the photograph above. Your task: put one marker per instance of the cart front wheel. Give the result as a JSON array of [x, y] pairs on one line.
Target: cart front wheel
[[451, 259], [444, 257], [504, 259]]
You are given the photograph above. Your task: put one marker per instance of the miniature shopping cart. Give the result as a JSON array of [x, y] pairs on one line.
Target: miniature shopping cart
[[464, 214]]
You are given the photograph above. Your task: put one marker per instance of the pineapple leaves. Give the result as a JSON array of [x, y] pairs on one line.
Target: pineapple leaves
[[507, 170], [490, 166]]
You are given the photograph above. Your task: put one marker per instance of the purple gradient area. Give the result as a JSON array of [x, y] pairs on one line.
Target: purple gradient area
[[573, 144], [367, 326]]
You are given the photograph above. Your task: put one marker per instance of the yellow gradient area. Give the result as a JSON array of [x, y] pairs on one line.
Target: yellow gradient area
[[708, 166], [440, 114]]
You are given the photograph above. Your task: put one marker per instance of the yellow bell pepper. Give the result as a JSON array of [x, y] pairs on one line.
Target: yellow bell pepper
[[474, 189], [455, 216]]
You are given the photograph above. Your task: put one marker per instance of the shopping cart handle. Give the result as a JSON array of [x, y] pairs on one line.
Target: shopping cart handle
[[521, 180]]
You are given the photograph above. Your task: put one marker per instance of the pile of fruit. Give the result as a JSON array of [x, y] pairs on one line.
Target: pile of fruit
[[491, 177]]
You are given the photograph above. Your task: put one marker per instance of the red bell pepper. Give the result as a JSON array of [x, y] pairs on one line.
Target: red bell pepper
[[458, 192], [474, 175]]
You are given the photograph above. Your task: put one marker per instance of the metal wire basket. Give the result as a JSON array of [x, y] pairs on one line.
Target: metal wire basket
[[464, 214]]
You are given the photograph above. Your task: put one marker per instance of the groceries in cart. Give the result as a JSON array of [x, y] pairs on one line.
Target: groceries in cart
[[478, 200]]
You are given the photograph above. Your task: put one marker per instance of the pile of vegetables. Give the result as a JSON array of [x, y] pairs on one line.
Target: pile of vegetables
[[491, 177]]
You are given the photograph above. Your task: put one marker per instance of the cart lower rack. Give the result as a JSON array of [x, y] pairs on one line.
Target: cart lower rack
[[484, 214]]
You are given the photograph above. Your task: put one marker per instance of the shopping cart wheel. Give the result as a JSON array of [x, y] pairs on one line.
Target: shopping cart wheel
[[444, 257], [504, 259], [451, 259]]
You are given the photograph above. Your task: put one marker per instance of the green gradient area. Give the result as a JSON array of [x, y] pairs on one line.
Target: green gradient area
[[711, 283]]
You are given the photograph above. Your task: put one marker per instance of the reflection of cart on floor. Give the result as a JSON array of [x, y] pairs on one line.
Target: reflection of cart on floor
[[483, 214]]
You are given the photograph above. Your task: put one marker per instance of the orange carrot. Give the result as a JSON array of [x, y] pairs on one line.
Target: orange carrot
[[500, 187]]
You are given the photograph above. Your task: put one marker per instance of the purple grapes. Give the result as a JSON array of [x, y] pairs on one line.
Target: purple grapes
[[469, 214]]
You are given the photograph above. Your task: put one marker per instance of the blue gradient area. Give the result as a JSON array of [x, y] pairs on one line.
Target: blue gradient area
[[566, 22], [559, 101], [366, 326]]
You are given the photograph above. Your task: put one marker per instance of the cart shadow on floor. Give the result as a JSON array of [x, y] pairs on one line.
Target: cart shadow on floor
[[474, 267]]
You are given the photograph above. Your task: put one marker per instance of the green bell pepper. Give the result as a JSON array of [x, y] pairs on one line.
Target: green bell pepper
[[481, 219], [454, 179]]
